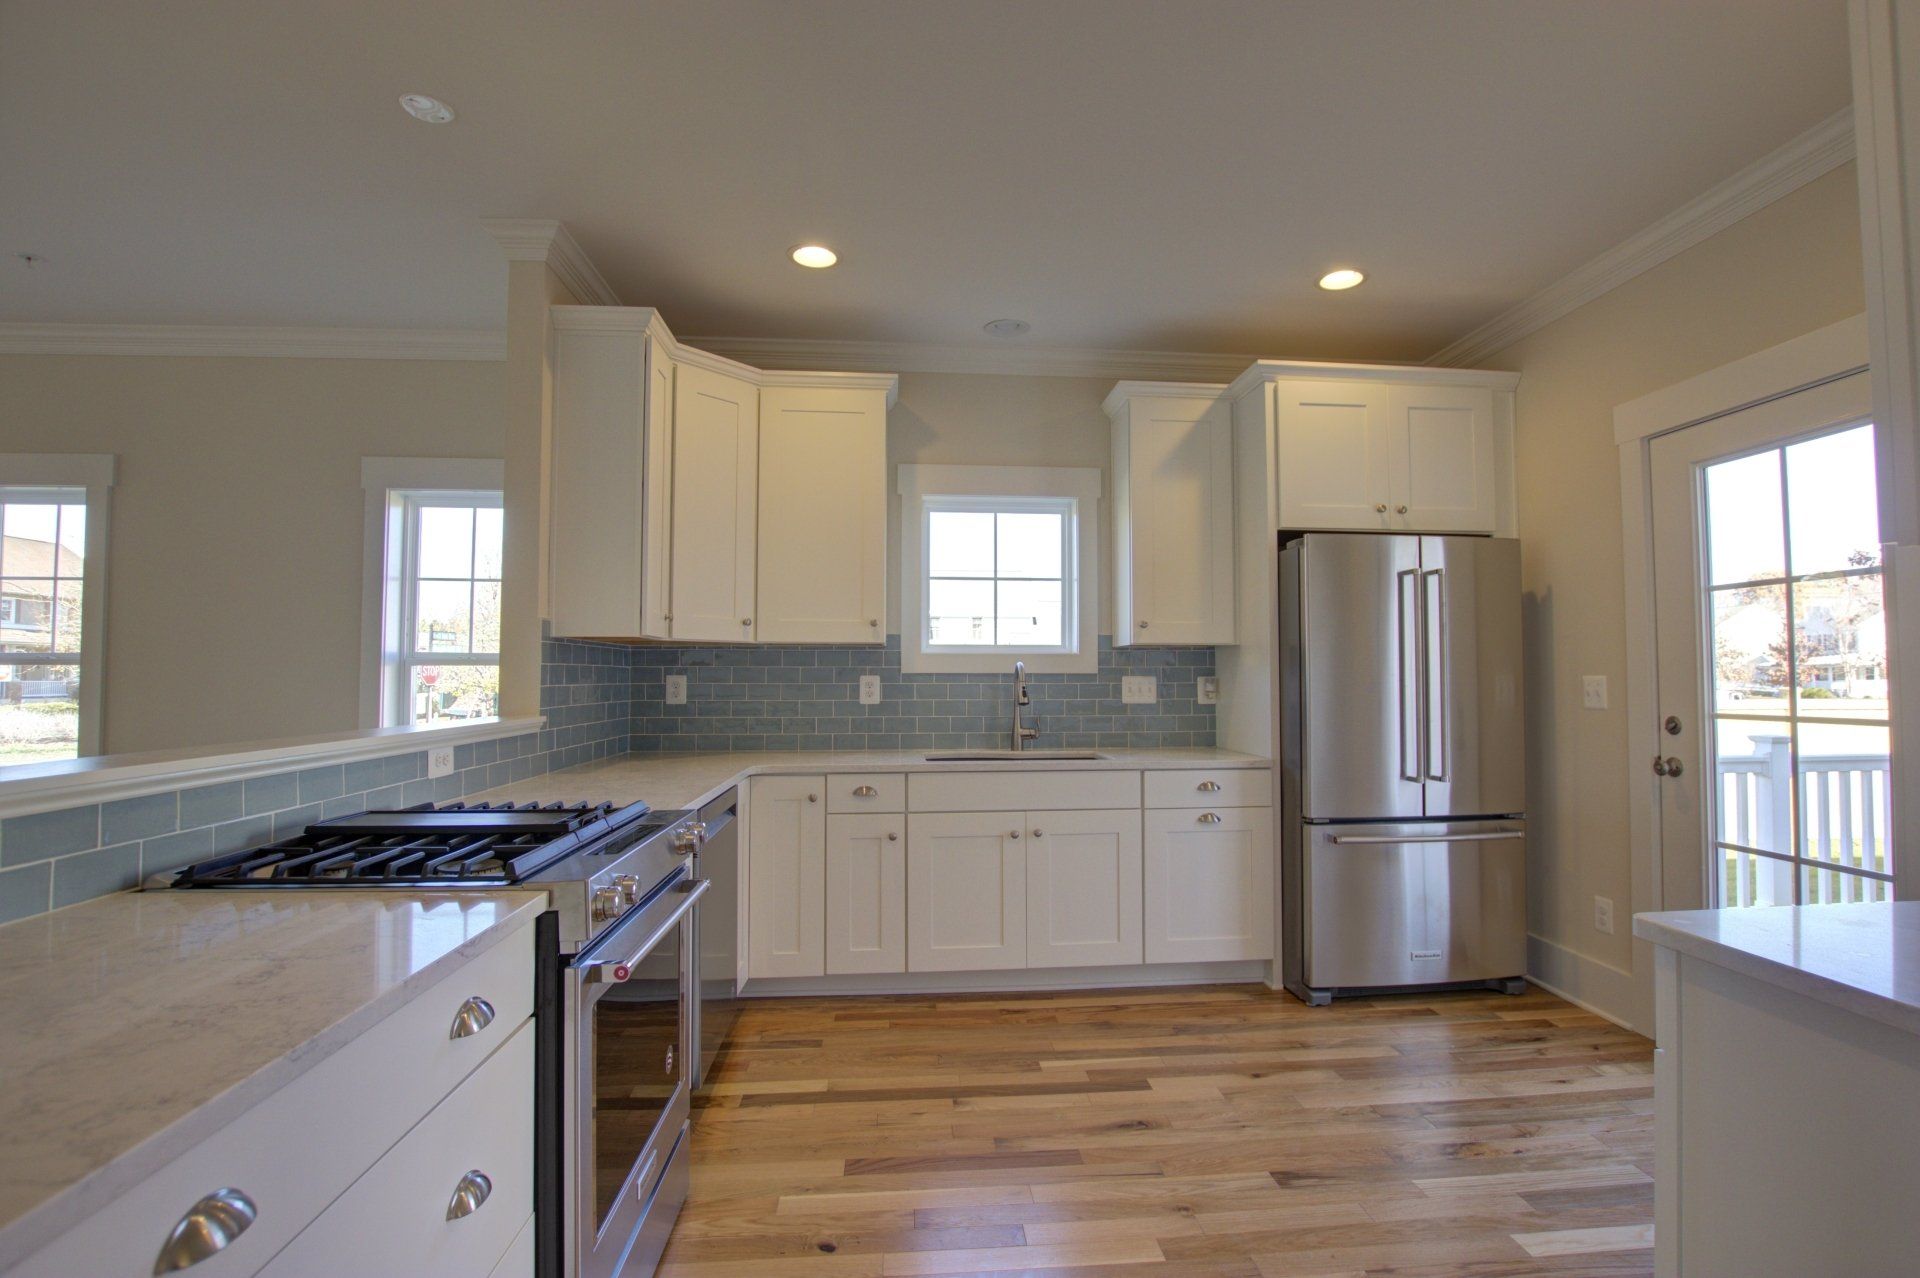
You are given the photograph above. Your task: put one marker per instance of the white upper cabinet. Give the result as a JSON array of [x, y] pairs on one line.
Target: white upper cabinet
[[611, 447], [1173, 514], [1335, 454], [823, 515], [1442, 477], [716, 467]]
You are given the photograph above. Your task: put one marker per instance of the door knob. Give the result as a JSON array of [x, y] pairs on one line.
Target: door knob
[[1667, 767]]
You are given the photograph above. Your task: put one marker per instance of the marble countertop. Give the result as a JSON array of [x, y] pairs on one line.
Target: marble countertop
[[1861, 958], [688, 780], [140, 1023]]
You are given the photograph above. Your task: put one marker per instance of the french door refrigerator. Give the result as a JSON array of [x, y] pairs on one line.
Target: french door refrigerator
[[1403, 790]]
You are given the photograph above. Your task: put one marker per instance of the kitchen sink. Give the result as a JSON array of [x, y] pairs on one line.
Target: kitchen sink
[[996, 756]]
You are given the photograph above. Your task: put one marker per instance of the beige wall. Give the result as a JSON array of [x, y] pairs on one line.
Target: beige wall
[[234, 564], [1788, 269]]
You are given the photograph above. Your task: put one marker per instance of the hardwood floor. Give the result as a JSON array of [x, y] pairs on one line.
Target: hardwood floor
[[1225, 1132]]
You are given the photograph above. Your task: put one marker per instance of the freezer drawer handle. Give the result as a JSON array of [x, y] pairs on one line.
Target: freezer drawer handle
[[1490, 836]]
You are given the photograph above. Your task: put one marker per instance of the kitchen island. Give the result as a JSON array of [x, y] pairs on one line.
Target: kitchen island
[[1787, 1072]]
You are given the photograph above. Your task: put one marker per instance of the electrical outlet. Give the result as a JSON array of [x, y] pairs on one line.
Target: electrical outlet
[[869, 690], [1593, 691], [440, 761], [1603, 914], [676, 690], [1139, 690], [1207, 690]]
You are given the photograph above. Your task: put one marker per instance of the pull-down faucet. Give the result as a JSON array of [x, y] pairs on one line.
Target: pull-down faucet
[[1021, 735]]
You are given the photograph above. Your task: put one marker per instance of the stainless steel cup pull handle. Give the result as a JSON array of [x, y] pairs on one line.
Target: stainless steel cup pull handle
[[864, 792], [474, 1015], [1208, 818], [208, 1227], [470, 1194], [1208, 787]]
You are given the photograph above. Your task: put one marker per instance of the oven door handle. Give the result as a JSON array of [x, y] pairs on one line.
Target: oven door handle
[[607, 971]]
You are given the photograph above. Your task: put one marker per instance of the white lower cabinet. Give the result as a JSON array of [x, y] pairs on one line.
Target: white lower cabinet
[[966, 891], [1209, 884], [1083, 888], [786, 876], [866, 893], [519, 1260], [473, 1154]]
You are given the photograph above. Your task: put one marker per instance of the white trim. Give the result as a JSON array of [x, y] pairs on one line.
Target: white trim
[[1587, 983], [1838, 350], [536, 239], [1081, 485], [452, 474], [1243, 972], [1272, 370], [1126, 390], [251, 341], [1003, 360], [44, 787], [1820, 150]]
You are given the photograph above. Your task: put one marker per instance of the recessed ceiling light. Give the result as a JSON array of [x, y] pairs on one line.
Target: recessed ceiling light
[[818, 256], [422, 107], [1007, 327], [1345, 277]]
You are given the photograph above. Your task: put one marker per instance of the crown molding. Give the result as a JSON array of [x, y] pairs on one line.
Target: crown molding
[[1028, 361], [1273, 370], [542, 239], [1820, 150], [218, 340]]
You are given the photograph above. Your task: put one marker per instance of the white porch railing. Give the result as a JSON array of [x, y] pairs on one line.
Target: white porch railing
[[1846, 810]]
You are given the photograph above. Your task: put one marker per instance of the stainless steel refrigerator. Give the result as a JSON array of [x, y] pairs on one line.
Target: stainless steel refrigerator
[[1403, 784]]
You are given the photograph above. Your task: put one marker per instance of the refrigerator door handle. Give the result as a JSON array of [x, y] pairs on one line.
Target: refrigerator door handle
[[1433, 623], [1413, 681], [1486, 836]]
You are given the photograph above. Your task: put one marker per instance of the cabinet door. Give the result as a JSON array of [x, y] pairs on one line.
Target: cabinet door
[[1332, 453], [866, 893], [1083, 888], [1443, 467], [1209, 884], [1173, 469], [786, 876], [823, 515], [715, 465], [966, 891]]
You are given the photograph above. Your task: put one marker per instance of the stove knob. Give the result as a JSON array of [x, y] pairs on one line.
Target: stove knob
[[606, 904], [628, 886], [690, 838]]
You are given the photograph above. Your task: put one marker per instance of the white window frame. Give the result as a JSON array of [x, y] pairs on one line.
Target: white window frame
[[395, 487], [1075, 490], [93, 473]]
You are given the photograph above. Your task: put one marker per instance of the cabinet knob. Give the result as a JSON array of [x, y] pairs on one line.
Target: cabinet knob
[[1039, 834], [874, 622], [208, 1227], [813, 798], [892, 837], [1143, 625], [1208, 787], [1014, 834], [1208, 818], [746, 621], [1381, 508], [474, 1015], [1400, 510], [473, 1190]]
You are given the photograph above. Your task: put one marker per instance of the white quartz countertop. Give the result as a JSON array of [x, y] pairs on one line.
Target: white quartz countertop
[[140, 1023], [688, 780], [1861, 958]]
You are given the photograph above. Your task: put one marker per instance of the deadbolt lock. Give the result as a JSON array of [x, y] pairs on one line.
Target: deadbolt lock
[[1672, 725]]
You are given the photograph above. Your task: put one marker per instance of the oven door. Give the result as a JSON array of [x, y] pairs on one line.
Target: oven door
[[629, 1006]]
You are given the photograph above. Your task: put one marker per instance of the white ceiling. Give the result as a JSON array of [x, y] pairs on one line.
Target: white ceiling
[[1138, 174]]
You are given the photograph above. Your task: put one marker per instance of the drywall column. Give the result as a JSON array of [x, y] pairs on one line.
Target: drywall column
[[1886, 121]]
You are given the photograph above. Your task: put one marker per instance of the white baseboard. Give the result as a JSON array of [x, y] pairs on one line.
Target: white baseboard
[[1012, 981], [1585, 982]]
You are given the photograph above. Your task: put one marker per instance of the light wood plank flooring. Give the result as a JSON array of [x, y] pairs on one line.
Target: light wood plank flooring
[[1226, 1131]]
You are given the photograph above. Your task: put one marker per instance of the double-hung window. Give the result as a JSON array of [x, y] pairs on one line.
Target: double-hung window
[[435, 592], [997, 565]]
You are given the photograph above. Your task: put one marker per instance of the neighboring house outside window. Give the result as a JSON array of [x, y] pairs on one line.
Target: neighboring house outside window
[[52, 592], [435, 539], [998, 564]]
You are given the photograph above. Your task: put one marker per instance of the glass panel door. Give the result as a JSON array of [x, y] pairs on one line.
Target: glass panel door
[[1796, 672]]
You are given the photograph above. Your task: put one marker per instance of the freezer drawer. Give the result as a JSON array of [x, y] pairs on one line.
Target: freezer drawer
[[1413, 904]]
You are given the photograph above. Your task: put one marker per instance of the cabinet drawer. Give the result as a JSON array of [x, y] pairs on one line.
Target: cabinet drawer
[[1016, 791], [1210, 788], [395, 1218], [337, 1123], [867, 792]]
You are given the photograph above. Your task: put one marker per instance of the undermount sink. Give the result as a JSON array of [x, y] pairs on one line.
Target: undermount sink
[[996, 756]]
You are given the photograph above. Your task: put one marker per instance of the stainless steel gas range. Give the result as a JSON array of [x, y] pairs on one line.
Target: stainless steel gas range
[[619, 987]]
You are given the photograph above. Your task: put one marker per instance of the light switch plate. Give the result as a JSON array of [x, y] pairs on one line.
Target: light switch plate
[[1593, 691], [676, 690], [440, 761], [1139, 690], [869, 690], [1207, 690], [1603, 914]]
